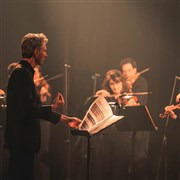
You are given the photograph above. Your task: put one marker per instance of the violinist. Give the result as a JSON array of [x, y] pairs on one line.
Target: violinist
[[116, 143], [43, 89], [137, 83], [113, 86], [134, 81]]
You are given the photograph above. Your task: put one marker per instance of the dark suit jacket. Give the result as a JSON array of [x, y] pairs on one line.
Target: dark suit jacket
[[141, 85], [24, 111]]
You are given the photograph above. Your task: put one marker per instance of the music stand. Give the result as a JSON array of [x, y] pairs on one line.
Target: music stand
[[136, 118], [86, 134]]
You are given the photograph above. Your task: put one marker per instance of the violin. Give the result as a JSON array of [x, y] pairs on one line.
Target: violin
[[167, 112], [44, 88], [130, 101]]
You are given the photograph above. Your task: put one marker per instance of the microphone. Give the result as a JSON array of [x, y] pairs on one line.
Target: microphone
[[97, 75], [177, 77], [66, 65]]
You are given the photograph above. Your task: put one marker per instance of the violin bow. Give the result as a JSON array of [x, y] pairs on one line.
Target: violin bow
[[145, 70]]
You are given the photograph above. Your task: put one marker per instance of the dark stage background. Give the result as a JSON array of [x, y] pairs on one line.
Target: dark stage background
[[92, 37]]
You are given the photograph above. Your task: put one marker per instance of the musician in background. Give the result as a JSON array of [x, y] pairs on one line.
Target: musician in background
[[5, 155], [43, 89], [42, 86], [137, 83], [112, 148], [114, 85]]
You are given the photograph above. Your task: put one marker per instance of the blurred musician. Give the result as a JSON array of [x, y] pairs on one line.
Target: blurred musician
[[116, 144], [135, 82], [42, 86], [10, 69], [43, 89], [113, 86]]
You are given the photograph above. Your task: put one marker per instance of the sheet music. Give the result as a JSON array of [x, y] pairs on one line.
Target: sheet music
[[98, 116]]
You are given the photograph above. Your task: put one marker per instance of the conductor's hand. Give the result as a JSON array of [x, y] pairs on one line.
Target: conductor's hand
[[73, 122], [58, 101]]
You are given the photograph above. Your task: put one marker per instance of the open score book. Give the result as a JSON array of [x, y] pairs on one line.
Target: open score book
[[98, 117]]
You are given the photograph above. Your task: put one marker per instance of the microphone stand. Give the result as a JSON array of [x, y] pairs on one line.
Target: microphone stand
[[164, 142], [67, 138], [95, 76]]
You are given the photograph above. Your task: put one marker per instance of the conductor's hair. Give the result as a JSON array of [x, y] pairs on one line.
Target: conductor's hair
[[30, 42]]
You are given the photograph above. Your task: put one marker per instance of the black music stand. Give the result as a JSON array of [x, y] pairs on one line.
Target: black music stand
[[86, 134], [136, 118]]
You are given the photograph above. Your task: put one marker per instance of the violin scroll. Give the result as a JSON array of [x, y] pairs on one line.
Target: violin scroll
[[168, 110]]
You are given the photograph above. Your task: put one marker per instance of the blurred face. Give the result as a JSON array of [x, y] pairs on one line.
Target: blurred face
[[128, 70], [116, 87], [41, 54]]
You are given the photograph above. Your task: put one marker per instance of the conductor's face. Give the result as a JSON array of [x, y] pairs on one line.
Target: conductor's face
[[41, 54]]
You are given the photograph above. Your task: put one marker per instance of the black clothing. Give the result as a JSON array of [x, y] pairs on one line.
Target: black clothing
[[42, 158], [141, 138], [111, 155], [22, 135], [140, 85]]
